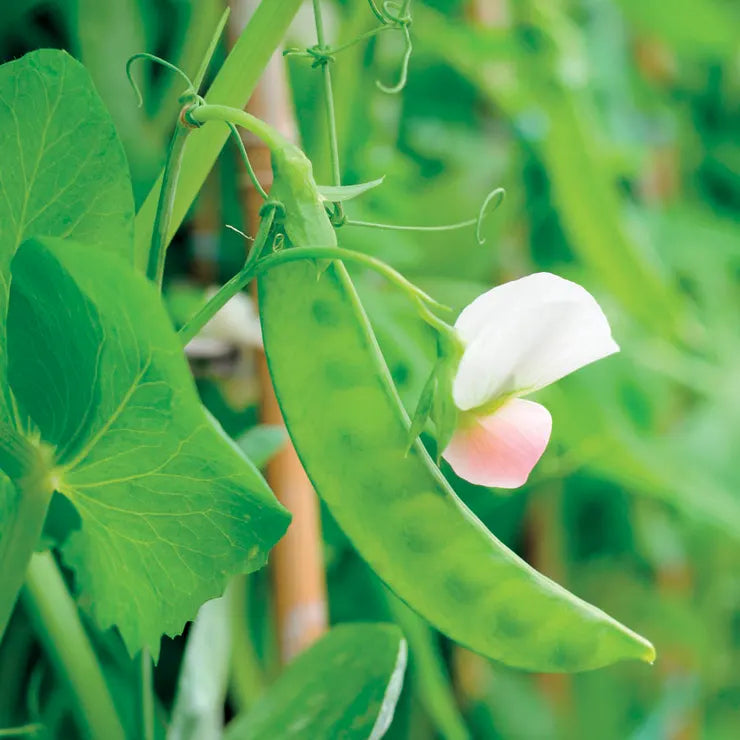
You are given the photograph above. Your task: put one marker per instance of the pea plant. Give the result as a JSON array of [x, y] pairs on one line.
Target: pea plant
[[114, 470]]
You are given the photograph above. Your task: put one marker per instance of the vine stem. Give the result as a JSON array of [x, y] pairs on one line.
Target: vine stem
[[57, 622], [227, 291], [147, 695], [31, 730], [166, 204], [23, 530], [331, 122], [322, 253], [247, 681], [235, 116], [295, 254], [233, 85]]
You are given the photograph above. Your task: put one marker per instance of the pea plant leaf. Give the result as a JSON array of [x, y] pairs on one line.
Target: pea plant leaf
[[63, 171], [346, 685], [169, 507]]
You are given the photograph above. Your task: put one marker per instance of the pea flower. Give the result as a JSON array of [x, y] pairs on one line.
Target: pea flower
[[517, 338]]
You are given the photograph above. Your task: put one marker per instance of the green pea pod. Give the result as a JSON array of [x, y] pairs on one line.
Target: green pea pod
[[351, 433]]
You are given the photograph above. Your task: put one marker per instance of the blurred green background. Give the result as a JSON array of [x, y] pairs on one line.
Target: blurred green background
[[614, 126]]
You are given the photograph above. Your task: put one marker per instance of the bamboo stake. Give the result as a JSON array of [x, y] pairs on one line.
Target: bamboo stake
[[297, 560]]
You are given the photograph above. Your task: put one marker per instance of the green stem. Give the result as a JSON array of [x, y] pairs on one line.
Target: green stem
[[362, 37], [147, 696], [247, 681], [428, 671], [331, 120], [211, 50], [401, 227], [227, 114], [247, 163], [232, 287], [254, 268], [347, 255], [342, 47], [232, 86], [57, 621], [328, 97], [20, 731], [166, 204], [22, 532]]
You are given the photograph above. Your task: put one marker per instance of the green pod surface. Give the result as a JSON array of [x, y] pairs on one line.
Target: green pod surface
[[351, 433]]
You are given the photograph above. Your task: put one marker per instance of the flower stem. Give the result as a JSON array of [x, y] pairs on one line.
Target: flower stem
[[33, 491], [57, 621]]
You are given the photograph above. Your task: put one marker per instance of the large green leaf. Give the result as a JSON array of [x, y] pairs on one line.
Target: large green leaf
[[345, 686], [62, 171], [169, 508]]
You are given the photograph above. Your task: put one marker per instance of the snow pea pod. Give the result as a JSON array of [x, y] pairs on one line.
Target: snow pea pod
[[351, 433]]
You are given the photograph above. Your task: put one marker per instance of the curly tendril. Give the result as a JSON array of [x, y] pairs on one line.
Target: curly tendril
[[491, 202], [143, 55], [393, 16], [190, 95], [397, 15]]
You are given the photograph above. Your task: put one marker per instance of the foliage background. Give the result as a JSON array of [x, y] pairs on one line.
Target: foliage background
[[613, 125]]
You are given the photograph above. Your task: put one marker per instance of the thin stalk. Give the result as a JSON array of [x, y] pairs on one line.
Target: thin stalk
[[196, 41], [22, 533], [428, 671], [362, 37], [147, 696], [233, 85], [198, 711], [211, 50], [341, 47], [57, 622], [236, 116], [247, 681], [331, 121], [257, 267], [173, 164], [247, 162], [322, 253], [166, 204], [227, 291], [32, 729], [403, 227]]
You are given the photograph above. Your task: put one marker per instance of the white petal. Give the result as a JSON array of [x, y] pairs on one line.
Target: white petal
[[526, 334], [501, 449]]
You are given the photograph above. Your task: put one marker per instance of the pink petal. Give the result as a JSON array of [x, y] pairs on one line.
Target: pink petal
[[500, 450]]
